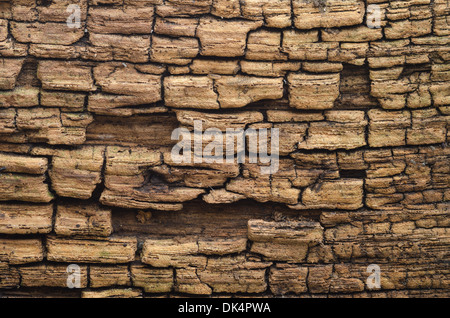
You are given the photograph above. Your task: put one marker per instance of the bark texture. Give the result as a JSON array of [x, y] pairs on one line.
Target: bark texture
[[86, 173]]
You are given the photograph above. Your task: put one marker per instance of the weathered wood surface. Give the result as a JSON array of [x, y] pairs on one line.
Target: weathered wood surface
[[87, 177]]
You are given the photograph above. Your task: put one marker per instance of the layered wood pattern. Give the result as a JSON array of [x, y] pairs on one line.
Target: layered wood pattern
[[87, 177]]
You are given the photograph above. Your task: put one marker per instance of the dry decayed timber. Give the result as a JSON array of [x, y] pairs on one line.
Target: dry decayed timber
[[87, 176]]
